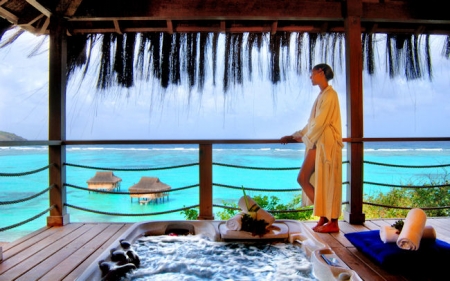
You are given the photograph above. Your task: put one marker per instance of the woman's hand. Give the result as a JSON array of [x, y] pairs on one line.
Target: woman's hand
[[286, 139]]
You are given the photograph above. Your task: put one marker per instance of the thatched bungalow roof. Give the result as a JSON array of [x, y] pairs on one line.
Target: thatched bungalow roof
[[104, 177], [104, 180], [170, 40], [152, 184]]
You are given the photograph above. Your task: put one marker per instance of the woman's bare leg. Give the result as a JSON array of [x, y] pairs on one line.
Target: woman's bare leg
[[305, 173], [303, 178]]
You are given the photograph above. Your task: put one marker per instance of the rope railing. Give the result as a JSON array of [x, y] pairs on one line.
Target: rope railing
[[256, 189], [407, 186], [127, 192], [130, 169], [270, 211], [27, 198], [406, 166], [28, 220], [130, 214], [405, 208], [26, 173]]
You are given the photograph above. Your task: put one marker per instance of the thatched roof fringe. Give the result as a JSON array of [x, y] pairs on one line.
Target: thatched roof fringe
[[77, 53], [312, 49], [285, 51], [337, 49], [104, 78], [368, 53], [155, 50], [275, 43], [428, 57], [119, 59], [202, 60], [166, 53], [140, 57], [299, 50], [175, 64], [237, 61], [128, 76], [404, 52], [407, 55], [215, 42], [446, 49]]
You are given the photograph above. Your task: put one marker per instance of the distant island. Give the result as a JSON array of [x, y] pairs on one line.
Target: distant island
[[5, 136]]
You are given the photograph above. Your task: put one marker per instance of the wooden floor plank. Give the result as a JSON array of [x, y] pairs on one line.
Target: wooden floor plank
[[53, 261], [371, 226], [41, 231], [38, 253], [85, 263], [24, 243], [30, 248], [82, 253], [365, 272]]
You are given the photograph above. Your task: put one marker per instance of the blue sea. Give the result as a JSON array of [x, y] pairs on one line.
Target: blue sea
[[134, 159]]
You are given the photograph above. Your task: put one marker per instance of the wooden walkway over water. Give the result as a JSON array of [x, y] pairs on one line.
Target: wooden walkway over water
[[63, 253]]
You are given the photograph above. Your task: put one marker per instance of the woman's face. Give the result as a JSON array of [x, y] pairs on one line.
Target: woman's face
[[316, 76]]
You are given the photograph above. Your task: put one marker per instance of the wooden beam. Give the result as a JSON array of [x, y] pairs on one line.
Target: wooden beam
[[68, 7], [8, 16], [355, 150], [273, 29], [210, 9], [117, 27], [57, 121], [39, 7], [43, 28], [205, 178], [169, 26]]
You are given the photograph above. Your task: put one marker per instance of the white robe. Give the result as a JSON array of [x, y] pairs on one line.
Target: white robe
[[324, 131]]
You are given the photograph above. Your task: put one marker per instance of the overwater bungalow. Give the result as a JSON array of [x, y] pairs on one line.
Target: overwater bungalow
[[104, 181], [158, 190], [62, 250]]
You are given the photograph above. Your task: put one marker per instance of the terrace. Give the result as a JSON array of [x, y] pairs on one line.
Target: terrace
[[66, 20]]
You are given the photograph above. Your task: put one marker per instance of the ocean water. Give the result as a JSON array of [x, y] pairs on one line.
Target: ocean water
[[135, 157]]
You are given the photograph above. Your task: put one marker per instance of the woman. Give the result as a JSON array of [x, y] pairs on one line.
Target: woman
[[321, 174]]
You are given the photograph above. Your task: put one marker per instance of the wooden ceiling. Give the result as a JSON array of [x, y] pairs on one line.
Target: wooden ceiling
[[236, 16]]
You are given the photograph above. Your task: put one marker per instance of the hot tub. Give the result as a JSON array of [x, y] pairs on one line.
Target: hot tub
[[326, 265]]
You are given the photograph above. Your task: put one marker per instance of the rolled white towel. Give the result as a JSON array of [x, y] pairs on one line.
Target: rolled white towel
[[235, 223], [261, 214], [389, 234], [412, 231]]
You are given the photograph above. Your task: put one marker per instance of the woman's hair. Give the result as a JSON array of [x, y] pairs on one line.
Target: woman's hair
[[327, 71]]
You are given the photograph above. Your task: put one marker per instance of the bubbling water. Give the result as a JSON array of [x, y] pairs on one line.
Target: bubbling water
[[196, 257]]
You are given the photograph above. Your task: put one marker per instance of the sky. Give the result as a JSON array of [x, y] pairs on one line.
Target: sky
[[258, 110]]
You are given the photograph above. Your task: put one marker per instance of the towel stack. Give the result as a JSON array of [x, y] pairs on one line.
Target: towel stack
[[235, 223], [414, 230]]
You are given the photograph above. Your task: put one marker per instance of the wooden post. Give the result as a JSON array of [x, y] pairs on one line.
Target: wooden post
[[205, 175], [57, 121], [355, 150]]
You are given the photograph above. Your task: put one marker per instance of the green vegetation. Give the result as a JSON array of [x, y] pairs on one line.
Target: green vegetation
[[434, 194], [5, 136], [265, 202]]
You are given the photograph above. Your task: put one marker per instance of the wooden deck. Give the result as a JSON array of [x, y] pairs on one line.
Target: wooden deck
[[63, 253]]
